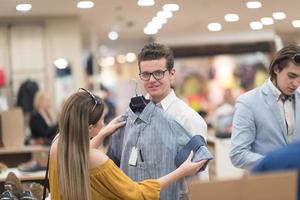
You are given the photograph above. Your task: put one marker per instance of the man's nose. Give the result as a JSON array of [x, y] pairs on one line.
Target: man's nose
[[152, 78]]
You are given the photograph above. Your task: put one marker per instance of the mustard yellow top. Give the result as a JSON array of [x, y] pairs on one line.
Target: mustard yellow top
[[110, 182]]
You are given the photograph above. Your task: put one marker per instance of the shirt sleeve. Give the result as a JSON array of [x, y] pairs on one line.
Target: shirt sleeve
[[112, 183]]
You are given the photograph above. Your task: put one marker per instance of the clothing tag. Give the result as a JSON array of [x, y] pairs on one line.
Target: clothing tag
[[133, 156]]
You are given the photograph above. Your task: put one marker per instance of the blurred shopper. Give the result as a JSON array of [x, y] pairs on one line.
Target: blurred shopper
[[77, 171], [268, 117], [156, 66], [42, 126], [285, 158], [223, 116], [43, 129]]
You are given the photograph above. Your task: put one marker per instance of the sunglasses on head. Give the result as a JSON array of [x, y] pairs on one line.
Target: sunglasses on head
[[296, 58], [95, 99]]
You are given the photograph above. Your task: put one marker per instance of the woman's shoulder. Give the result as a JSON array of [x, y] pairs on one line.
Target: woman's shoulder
[[97, 158]]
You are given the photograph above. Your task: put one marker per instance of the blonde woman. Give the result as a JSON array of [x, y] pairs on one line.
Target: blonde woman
[[79, 172], [42, 126]]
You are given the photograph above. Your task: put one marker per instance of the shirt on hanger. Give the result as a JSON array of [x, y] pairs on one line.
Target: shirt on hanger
[[147, 145]]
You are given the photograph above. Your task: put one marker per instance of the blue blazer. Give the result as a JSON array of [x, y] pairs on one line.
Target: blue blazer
[[258, 126]]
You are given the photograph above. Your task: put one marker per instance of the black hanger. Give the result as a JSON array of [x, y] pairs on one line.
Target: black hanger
[[139, 102]]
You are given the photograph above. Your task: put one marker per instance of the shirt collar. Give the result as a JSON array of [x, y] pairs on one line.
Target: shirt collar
[[145, 115], [275, 91], [168, 100]]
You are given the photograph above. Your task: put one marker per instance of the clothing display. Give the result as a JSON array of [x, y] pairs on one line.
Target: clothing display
[[26, 95], [109, 182], [147, 145], [259, 127]]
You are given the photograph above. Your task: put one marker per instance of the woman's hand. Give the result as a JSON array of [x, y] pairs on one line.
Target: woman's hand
[[112, 126], [188, 168]]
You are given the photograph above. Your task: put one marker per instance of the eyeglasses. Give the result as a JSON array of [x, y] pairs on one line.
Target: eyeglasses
[[296, 58], [158, 75], [96, 99]]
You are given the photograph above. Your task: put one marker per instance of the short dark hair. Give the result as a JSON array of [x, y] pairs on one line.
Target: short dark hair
[[155, 51], [282, 59]]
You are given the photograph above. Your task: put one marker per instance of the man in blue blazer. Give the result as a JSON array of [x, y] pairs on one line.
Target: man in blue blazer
[[268, 117]]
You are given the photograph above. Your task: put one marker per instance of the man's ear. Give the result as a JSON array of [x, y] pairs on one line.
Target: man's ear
[[276, 70]]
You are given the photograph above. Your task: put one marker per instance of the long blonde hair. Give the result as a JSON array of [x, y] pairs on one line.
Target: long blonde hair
[[78, 112]]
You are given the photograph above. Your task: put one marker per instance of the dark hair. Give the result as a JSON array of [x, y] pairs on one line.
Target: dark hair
[[282, 59], [155, 51]]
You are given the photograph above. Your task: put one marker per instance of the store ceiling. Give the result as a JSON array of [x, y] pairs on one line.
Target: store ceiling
[[129, 19]]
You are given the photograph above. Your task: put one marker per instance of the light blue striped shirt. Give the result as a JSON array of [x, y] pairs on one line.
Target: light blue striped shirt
[[158, 137]]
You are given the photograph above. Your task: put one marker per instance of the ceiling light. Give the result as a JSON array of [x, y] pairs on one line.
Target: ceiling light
[[214, 27], [85, 4], [267, 21], [171, 7], [146, 2], [150, 30], [253, 4], [296, 23], [121, 59], [130, 57], [24, 7], [279, 15], [164, 14], [113, 35], [231, 17], [159, 20], [61, 63], [256, 25]]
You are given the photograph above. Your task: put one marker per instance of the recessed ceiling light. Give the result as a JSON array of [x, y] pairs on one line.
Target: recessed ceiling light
[[267, 21], [113, 35], [150, 30], [256, 25], [85, 4], [214, 27], [145, 2], [130, 57], [24, 7], [171, 7], [61, 63], [296, 23], [164, 14], [121, 59], [253, 4], [231, 17], [279, 15]]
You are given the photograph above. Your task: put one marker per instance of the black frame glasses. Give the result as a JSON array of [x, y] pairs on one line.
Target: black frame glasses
[[97, 101], [296, 58], [158, 75]]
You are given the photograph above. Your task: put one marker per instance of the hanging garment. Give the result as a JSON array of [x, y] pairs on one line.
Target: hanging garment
[[147, 145], [26, 95]]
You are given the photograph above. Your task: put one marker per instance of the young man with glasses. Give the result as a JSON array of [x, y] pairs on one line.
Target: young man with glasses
[[268, 117], [156, 67]]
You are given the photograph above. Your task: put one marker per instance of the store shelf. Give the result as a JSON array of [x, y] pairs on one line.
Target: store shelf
[[24, 149], [40, 175]]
